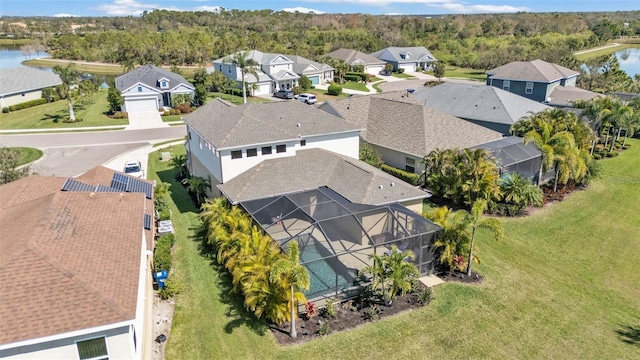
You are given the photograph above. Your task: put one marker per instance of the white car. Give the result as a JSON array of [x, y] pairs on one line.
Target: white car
[[307, 98], [133, 168]]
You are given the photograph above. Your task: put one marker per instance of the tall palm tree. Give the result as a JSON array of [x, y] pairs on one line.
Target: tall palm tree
[[70, 78], [377, 271], [242, 61], [453, 242], [198, 186], [288, 270], [476, 221], [483, 176], [180, 162]]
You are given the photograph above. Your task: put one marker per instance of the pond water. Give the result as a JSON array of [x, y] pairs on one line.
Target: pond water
[[12, 57], [629, 60]]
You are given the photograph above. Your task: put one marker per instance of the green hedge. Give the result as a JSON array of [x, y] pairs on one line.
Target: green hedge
[[334, 89], [354, 78], [364, 77], [26, 105], [162, 253], [411, 178]]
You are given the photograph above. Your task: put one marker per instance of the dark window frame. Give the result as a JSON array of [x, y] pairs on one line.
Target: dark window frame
[[281, 149], [234, 154], [303, 142], [252, 152], [269, 150]]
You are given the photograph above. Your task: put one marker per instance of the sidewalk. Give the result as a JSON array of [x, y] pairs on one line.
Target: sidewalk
[[141, 154]]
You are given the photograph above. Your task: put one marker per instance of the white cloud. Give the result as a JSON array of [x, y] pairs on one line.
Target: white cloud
[[303, 10], [208, 8], [126, 7], [470, 8], [455, 6], [64, 15]]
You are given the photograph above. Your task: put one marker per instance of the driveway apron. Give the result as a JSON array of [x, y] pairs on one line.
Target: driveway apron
[[145, 120]]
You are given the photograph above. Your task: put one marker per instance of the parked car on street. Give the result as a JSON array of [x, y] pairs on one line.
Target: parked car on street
[[133, 168], [307, 98], [283, 94], [385, 72]]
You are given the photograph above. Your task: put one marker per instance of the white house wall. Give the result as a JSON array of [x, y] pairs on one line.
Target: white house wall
[[346, 144], [205, 152], [235, 167], [20, 98], [119, 346]]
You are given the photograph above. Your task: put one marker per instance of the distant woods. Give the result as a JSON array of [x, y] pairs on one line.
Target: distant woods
[[195, 38]]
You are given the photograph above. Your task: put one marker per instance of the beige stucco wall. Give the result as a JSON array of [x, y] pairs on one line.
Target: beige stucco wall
[[199, 170], [20, 98], [414, 205]]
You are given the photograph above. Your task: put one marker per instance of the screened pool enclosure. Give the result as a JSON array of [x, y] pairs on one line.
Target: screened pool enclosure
[[337, 236]]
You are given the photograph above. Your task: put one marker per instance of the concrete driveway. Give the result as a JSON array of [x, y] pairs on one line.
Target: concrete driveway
[[145, 120]]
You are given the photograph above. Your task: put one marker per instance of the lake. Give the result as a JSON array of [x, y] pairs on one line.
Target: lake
[[12, 57], [629, 60]]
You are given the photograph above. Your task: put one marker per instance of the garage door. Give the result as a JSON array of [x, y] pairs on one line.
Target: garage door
[[263, 89], [141, 104], [408, 67], [315, 80], [374, 69]]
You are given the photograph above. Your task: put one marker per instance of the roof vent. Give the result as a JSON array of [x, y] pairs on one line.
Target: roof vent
[[298, 125], [393, 184], [380, 187]]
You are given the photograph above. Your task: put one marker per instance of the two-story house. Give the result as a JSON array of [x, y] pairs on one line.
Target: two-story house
[[539, 80], [274, 71]]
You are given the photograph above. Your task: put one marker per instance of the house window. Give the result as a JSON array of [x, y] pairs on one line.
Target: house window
[[281, 148], [139, 88], [236, 154], [220, 67], [506, 85], [229, 69], [266, 150], [303, 142], [410, 165], [94, 349], [164, 84], [252, 152], [528, 88], [189, 132]]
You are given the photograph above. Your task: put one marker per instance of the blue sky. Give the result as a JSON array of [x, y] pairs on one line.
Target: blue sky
[[135, 7]]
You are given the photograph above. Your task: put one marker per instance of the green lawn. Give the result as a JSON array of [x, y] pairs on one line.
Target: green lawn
[[563, 284], [463, 73], [51, 115], [235, 99], [355, 86], [28, 155], [403, 76]]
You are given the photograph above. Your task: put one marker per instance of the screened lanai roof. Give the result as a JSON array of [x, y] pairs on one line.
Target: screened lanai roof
[[323, 217], [510, 150]]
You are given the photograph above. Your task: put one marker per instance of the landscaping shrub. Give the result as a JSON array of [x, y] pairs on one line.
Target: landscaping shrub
[[305, 84], [597, 156], [120, 115], [361, 76], [329, 309], [400, 71], [297, 90], [164, 214], [183, 108], [424, 296], [172, 286], [162, 253], [324, 329], [411, 178], [334, 89], [354, 78], [311, 309], [27, 104], [372, 313], [5, 110]]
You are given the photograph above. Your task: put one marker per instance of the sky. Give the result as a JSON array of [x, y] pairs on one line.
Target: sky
[[375, 7]]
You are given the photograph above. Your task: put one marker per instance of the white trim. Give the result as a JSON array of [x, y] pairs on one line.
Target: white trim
[[284, 140], [140, 84], [66, 335]]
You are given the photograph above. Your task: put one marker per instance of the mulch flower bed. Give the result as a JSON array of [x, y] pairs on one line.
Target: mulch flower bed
[[349, 315], [460, 277]]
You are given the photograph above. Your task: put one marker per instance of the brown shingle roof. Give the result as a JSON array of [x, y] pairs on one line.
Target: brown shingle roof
[[398, 122], [69, 260]]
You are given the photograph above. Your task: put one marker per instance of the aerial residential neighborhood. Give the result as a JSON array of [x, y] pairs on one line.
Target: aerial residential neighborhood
[[211, 182]]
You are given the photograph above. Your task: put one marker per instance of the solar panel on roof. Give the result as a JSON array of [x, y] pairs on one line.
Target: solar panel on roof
[[75, 185], [102, 188], [147, 221], [137, 185]]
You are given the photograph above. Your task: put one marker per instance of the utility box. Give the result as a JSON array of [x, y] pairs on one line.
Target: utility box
[[161, 277]]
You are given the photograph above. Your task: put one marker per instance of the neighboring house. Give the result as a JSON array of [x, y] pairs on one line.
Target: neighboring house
[[76, 258], [539, 81], [225, 140], [150, 88], [484, 105], [24, 84], [403, 130], [372, 65], [407, 58], [274, 71]]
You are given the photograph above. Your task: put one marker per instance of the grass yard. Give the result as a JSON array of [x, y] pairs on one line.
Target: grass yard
[[563, 284], [28, 155], [402, 76], [234, 99], [51, 115], [96, 67], [355, 86], [463, 73], [322, 95]]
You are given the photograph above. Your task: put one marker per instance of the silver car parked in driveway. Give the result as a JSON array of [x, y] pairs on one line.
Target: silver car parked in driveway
[[307, 98]]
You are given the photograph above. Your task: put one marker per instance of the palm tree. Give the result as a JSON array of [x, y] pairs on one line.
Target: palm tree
[[288, 270], [377, 271], [518, 190], [453, 242], [400, 272], [476, 221], [179, 161], [198, 186], [70, 78], [246, 65], [483, 175]]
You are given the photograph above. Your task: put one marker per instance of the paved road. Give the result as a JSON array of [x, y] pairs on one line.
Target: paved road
[[72, 154], [43, 141]]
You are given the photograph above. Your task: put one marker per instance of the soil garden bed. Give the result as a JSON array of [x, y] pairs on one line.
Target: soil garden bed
[[460, 277], [349, 315]]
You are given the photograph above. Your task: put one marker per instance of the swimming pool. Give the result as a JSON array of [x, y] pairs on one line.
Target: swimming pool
[[321, 272]]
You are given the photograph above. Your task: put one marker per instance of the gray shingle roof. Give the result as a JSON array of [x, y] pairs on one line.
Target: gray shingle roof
[[398, 122], [536, 70], [299, 63], [353, 179], [478, 102], [566, 95], [225, 125], [393, 53], [350, 55], [149, 75], [24, 79]]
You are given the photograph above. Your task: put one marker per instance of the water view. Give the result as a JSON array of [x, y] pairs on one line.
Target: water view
[[12, 57], [629, 60]]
